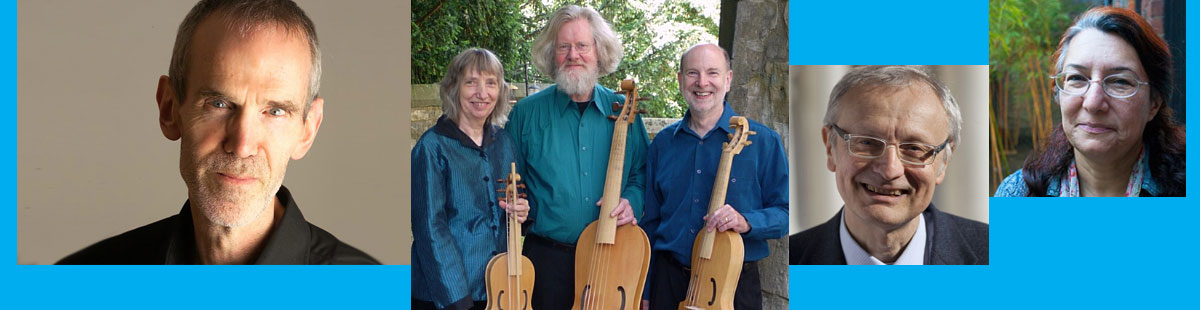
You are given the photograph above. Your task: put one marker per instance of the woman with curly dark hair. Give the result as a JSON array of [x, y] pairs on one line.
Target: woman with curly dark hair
[[1117, 136]]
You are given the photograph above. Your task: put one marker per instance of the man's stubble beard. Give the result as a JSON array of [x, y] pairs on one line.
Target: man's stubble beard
[[229, 207]]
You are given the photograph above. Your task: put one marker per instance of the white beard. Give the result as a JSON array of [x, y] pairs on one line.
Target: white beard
[[576, 82]]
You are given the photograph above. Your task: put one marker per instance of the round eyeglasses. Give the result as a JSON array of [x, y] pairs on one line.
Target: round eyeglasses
[[581, 48], [1121, 85], [912, 153]]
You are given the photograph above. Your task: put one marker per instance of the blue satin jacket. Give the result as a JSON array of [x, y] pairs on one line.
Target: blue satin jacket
[[457, 222]]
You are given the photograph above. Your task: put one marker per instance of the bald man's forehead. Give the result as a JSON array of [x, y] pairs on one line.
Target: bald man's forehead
[[705, 58]]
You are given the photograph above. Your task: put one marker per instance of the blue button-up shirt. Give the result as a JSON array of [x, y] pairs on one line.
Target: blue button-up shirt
[[566, 159], [681, 168], [457, 222]]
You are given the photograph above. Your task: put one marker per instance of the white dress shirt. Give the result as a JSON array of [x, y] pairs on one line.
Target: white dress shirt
[[914, 253]]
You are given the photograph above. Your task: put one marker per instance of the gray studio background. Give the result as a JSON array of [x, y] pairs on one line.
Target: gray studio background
[[92, 162], [814, 194]]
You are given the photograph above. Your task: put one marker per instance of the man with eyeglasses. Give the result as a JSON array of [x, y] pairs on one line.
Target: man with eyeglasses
[[564, 136], [889, 134]]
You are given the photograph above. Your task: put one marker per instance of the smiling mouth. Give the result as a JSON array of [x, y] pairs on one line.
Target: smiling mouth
[[885, 192], [701, 93]]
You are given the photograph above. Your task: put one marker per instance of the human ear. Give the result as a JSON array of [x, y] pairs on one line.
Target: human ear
[[828, 149], [312, 123], [168, 108]]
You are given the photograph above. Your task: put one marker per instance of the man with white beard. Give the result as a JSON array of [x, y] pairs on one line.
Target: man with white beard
[[564, 136]]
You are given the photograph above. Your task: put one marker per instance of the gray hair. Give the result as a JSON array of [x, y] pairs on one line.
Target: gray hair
[[608, 45], [478, 60], [724, 55], [244, 16], [895, 76]]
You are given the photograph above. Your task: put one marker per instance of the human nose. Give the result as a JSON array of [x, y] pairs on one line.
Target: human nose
[[479, 92], [241, 134], [704, 80], [1094, 99], [888, 165], [573, 52]]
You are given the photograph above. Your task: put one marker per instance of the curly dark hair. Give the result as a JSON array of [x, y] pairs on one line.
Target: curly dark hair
[[1164, 139]]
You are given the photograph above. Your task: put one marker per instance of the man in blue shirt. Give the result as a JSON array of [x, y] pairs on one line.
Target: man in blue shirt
[[681, 168], [564, 136]]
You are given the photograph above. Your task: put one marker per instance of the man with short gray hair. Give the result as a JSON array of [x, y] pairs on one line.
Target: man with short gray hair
[[889, 134], [241, 96]]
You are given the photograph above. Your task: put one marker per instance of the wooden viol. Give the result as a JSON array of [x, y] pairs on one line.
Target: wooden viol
[[717, 255], [611, 261], [510, 274]]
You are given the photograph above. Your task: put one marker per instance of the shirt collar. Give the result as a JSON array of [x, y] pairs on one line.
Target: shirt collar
[[914, 253], [568, 103], [1150, 186], [446, 127], [722, 123], [286, 244]]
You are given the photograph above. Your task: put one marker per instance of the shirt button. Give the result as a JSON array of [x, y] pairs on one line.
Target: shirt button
[[734, 180], [695, 200], [701, 142], [584, 148], [585, 173], [485, 178], [697, 171]]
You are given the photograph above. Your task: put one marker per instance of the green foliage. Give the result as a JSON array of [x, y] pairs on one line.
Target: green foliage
[[442, 29], [1024, 31], [1023, 35], [653, 39]]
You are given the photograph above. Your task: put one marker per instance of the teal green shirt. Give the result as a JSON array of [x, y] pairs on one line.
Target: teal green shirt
[[566, 157]]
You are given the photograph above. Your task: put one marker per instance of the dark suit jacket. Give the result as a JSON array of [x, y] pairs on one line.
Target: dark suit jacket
[[950, 240]]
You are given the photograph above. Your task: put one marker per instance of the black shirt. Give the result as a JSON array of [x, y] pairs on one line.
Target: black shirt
[[172, 241]]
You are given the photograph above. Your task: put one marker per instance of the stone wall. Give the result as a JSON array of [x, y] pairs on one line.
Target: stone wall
[[760, 82]]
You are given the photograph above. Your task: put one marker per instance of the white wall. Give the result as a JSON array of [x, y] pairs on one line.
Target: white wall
[[92, 162]]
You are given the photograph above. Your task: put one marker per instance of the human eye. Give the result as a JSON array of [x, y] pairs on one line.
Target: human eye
[[277, 111], [865, 141], [218, 103], [1119, 81], [919, 150], [1075, 77], [916, 151]]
